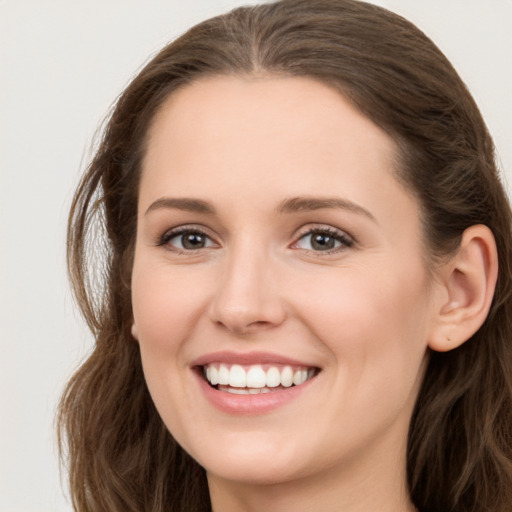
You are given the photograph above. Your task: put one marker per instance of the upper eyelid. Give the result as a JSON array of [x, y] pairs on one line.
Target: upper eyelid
[[170, 233], [187, 227], [309, 228]]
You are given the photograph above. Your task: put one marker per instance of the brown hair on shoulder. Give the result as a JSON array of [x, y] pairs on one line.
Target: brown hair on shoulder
[[121, 457]]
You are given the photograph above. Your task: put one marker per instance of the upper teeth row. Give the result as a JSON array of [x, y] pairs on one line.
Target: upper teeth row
[[255, 376]]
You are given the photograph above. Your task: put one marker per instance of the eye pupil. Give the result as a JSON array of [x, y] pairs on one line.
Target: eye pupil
[[322, 242], [193, 241]]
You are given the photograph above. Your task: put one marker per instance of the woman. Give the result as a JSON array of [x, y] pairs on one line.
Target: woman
[[301, 304]]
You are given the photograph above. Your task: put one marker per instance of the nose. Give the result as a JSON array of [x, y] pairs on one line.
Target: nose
[[247, 298]]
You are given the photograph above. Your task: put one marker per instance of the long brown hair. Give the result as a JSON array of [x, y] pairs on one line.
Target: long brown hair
[[121, 457]]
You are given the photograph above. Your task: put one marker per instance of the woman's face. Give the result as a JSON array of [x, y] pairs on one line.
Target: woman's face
[[277, 252]]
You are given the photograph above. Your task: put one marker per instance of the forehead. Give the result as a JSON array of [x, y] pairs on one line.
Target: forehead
[[282, 117], [261, 138], [283, 105]]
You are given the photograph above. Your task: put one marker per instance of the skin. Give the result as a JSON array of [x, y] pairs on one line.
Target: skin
[[363, 314]]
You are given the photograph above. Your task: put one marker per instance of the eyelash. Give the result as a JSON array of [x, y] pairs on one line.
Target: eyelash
[[345, 241]]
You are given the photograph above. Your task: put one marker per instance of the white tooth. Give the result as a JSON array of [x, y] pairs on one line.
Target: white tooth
[[213, 375], [238, 391], [287, 376], [264, 390], [256, 377], [299, 377], [254, 391], [237, 377], [223, 375], [311, 373], [207, 372], [273, 377]]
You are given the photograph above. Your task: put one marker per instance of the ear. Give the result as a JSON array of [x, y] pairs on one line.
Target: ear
[[135, 331], [467, 284]]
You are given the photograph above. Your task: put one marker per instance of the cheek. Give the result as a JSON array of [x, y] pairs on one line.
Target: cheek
[[165, 309], [165, 305], [374, 322], [376, 332]]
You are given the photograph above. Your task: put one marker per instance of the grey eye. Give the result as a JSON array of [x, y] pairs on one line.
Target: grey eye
[[324, 240], [189, 240], [318, 241], [193, 241]]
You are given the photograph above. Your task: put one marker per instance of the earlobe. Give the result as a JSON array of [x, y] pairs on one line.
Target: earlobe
[[468, 281], [135, 331]]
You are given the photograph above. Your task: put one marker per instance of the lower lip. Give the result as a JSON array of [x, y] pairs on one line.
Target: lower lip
[[251, 404]]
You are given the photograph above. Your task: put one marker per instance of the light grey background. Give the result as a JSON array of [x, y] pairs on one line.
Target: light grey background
[[62, 64]]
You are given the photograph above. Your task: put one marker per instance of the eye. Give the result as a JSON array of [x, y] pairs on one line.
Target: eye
[[323, 240], [187, 239]]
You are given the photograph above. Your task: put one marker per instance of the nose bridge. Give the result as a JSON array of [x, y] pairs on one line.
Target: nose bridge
[[246, 297]]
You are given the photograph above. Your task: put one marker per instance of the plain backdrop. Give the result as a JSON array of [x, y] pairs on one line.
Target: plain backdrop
[[62, 64]]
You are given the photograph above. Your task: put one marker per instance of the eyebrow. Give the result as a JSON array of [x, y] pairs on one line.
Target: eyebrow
[[291, 205], [182, 203], [304, 204]]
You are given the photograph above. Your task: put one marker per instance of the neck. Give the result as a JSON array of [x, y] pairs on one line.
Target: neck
[[378, 485]]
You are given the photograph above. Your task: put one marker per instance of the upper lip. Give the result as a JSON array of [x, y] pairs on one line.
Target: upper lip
[[248, 358]]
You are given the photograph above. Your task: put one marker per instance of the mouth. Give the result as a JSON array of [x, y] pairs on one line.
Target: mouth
[[255, 379]]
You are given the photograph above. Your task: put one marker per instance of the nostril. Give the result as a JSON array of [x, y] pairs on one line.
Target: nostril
[[259, 324], [240, 328]]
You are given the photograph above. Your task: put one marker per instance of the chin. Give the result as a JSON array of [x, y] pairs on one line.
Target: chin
[[250, 460], [253, 472]]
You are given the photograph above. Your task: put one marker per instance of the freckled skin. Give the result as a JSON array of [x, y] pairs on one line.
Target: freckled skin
[[361, 312]]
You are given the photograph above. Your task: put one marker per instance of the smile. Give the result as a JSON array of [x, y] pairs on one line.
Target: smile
[[252, 383], [255, 379]]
